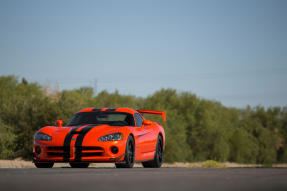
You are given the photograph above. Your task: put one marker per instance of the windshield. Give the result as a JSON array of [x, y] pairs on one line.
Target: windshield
[[110, 118]]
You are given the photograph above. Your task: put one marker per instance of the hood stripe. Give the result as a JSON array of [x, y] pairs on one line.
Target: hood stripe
[[79, 142], [67, 143]]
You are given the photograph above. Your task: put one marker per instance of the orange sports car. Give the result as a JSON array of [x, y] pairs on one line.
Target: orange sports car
[[117, 135]]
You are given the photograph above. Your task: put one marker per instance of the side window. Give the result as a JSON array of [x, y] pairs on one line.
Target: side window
[[139, 120]]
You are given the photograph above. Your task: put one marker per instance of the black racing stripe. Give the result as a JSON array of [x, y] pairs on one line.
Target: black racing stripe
[[111, 109], [67, 143], [79, 142], [143, 134], [98, 109]]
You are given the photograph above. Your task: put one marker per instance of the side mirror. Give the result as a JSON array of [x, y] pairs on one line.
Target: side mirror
[[59, 123], [147, 122]]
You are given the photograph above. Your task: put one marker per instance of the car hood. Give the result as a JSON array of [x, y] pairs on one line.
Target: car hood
[[95, 131]]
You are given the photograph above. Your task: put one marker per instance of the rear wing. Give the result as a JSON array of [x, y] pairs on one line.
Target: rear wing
[[162, 113]]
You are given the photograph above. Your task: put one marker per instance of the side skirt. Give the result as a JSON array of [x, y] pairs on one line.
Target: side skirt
[[145, 157]]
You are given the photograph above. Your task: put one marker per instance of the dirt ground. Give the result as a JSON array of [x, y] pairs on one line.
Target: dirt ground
[[18, 163]]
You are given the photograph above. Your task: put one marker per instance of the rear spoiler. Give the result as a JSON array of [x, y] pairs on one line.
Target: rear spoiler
[[162, 113]]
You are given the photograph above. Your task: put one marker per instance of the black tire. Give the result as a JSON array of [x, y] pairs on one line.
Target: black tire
[[79, 164], [158, 156], [129, 155], [44, 164]]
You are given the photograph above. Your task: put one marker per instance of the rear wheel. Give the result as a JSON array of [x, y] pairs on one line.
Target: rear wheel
[[44, 164], [79, 165], [158, 156], [129, 155]]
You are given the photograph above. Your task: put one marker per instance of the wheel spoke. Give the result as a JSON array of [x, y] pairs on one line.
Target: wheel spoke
[[159, 152], [130, 152]]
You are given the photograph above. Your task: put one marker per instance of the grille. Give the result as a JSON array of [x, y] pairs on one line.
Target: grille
[[55, 154], [84, 151], [81, 148], [91, 154], [90, 148], [56, 148]]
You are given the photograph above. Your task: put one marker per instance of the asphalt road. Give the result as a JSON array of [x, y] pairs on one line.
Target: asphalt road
[[175, 179]]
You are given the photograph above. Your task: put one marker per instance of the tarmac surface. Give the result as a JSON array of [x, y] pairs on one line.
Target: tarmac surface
[[175, 179]]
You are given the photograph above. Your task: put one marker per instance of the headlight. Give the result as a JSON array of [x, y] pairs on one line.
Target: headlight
[[112, 137], [42, 137]]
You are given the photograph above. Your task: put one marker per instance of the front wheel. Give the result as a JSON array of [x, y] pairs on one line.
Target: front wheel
[[158, 156], [79, 165], [44, 164], [129, 155]]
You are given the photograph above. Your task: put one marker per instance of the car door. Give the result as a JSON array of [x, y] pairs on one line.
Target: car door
[[144, 135]]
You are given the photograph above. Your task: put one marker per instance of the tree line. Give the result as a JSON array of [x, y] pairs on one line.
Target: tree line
[[196, 129]]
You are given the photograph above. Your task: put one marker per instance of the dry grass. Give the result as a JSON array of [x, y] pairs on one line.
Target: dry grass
[[15, 164], [214, 164], [18, 163]]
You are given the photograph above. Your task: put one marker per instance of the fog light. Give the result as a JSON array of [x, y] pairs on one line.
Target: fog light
[[38, 150], [114, 150]]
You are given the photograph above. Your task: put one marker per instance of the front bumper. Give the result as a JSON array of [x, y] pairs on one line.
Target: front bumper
[[45, 152]]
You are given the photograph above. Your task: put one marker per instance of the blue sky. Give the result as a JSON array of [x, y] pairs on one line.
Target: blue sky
[[234, 52]]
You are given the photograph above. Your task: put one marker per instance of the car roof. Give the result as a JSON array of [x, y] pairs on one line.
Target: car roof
[[121, 109]]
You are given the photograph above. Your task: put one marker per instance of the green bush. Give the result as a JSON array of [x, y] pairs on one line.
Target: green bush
[[7, 142], [196, 129]]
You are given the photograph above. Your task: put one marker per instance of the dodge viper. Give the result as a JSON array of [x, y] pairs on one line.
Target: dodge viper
[[111, 135]]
